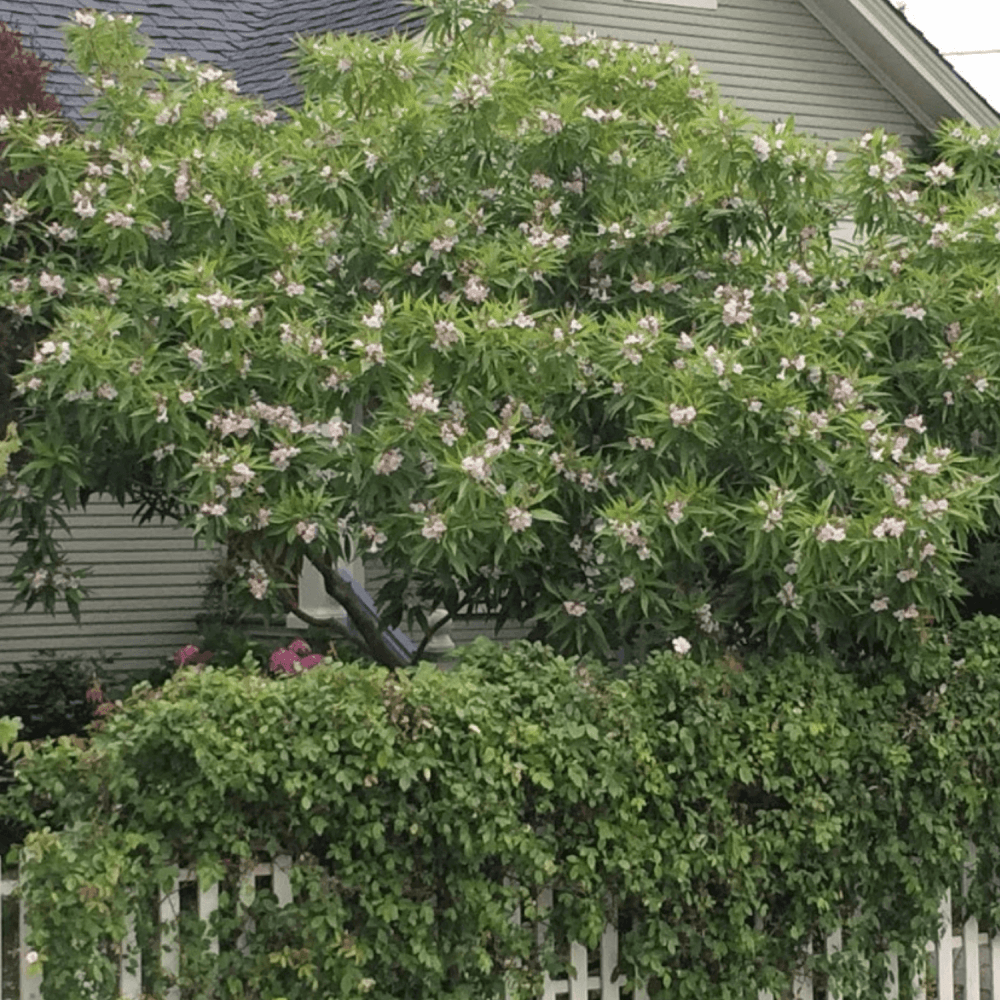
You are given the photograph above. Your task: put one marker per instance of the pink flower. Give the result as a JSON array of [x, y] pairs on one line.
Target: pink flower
[[283, 659], [192, 655], [290, 659], [183, 655]]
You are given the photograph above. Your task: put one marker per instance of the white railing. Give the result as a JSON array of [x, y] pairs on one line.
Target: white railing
[[965, 964]]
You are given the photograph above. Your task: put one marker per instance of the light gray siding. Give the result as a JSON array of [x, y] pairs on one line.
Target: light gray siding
[[146, 588], [769, 57]]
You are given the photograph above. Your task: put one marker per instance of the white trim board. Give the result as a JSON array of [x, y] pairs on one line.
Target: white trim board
[[699, 4], [908, 66]]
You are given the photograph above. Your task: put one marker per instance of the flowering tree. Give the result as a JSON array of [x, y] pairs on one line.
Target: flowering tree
[[528, 316]]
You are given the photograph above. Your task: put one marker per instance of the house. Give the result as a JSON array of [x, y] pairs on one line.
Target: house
[[841, 67]]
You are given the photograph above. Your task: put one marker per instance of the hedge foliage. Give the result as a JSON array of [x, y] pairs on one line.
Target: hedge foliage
[[727, 814]]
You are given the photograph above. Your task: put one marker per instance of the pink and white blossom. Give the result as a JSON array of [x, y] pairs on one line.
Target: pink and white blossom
[[307, 530], [519, 519], [388, 462], [434, 527]]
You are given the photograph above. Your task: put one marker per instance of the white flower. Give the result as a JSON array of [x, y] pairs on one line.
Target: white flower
[[280, 456], [681, 646], [905, 575], [388, 462], [423, 402], [52, 283], [445, 334], [434, 527], [518, 519], [307, 530], [375, 318], [476, 466], [892, 527], [940, 173], [761, 148], [880, 604], [830, 533], [119, 220], [682, 415], [473, 728], [575, 608], [626, 583], [675, 510], [475, 290]]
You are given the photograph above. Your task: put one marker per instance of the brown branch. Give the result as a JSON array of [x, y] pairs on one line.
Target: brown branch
[[370, 630], [431, 632]]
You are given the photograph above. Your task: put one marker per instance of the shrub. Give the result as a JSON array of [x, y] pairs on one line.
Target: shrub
[[688, 796], [22, 86]]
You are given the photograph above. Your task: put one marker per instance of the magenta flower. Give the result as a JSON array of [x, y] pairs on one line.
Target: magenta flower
[[183, 655], [291, 660], [283, 659], [192, 655]]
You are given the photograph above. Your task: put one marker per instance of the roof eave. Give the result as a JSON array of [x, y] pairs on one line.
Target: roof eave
[[913, 71]]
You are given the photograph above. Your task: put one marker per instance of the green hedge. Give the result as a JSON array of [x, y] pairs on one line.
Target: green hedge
[[688, 797]]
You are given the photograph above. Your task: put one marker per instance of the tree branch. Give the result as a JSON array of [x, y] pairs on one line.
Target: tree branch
[[370, 630], [431, 632]]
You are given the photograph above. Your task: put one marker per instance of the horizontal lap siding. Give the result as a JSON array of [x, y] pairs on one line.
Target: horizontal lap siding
[[147, 586], [769, 57]]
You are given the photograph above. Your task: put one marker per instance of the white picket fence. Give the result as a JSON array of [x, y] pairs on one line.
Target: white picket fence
[[965, 965]]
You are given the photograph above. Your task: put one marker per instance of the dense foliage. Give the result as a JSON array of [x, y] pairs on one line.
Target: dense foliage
[[684, 800], [530, 317], [22, 87]]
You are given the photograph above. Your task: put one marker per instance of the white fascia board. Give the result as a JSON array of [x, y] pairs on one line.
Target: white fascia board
[[909, 67], [698, 4]]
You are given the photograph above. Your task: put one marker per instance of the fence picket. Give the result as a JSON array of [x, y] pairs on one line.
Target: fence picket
[[946, 953], [834, 944], [610, 983], [578, 977], [802, 985], [131, 982], [170, 957], [893, 993]]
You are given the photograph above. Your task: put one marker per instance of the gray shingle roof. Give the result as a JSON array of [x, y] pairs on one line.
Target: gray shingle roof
[[249, 38]]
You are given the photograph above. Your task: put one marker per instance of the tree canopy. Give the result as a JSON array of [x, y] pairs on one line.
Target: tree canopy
[[531, 317]]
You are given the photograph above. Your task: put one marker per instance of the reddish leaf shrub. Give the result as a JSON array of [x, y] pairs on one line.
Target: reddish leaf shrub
[[22, 86], [22, 75]]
